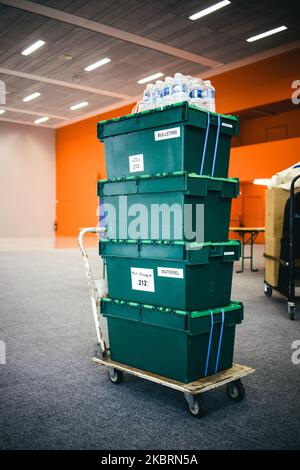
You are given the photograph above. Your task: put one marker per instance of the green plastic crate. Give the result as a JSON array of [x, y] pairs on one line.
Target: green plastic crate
[[176, 138], [177, 191], [172, 343], [196, 278]]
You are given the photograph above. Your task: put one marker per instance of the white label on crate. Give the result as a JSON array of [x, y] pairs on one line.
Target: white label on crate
[[225, 124], [227, 253], [170, 272], [136, 163], [142, 279], [164, 134]]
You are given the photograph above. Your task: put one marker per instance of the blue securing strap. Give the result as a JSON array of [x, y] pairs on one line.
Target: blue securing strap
[[205, 143], [209, 342], [220, 341], [216, 145]]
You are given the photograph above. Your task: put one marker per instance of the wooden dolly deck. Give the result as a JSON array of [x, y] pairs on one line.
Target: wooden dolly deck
[[230, 377]]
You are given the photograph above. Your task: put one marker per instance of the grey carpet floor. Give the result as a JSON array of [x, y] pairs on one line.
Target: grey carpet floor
[[53, 397]]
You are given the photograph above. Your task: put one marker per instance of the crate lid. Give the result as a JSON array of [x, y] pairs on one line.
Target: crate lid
[[187, 183], [185, 244], [234, 305], [175, 113], [191, 323], [166, 175], [188, 253]]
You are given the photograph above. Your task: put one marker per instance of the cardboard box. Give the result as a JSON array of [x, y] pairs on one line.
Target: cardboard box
[[272, 245], [272, 248], [276, 199], [271, 272]]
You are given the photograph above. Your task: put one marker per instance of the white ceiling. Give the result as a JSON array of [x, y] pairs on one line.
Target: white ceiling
[[140, 37]]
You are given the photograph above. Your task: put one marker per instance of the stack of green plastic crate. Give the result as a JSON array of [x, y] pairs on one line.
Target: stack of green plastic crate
[[169, 309]]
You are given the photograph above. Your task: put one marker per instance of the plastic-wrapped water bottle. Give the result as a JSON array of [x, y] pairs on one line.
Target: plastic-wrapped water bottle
[[141, 105], [179, 88], [148, 97], [190, 83], [158, 94], [196, 91], [209, 96], [167, 91]]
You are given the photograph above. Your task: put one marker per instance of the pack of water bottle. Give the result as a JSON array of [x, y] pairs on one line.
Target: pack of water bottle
[[195, 91]]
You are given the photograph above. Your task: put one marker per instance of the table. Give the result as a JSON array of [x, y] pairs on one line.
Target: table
[[247, 235]]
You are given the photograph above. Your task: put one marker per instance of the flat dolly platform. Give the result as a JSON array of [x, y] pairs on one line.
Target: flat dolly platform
[[230, 377]]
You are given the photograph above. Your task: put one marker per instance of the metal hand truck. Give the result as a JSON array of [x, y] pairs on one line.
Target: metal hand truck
[[230, 377], [289, 272]]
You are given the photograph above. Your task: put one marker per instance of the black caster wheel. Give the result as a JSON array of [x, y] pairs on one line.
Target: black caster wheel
[[194, 405], [98, 353], [236, 390], [292, 311], [268, 290], [115, 376]]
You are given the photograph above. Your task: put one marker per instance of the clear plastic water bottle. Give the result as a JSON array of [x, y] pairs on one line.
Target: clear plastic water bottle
[[209, 96], [142, 103], [152, 94], [167, 91], [190, 84], [158, 94], [148, 97], [196, 91], [139, 107], [179, 88]]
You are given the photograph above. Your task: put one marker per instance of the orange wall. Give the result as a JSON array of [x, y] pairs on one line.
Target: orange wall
[[248, 210], [258, 161], [257, 84], [268, 128], [79, 164], [80, 157], [263, 160]]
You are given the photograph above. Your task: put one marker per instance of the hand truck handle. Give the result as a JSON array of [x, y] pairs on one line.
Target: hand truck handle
[[91, 283], [292, 241]]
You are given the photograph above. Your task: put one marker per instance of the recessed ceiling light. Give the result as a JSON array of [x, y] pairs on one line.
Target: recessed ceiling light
[[94, 66], [40, 120], [33, 47], [2, 111], [79, 105], [31, 97], [267, 33], [209, 10], [150, 78]]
